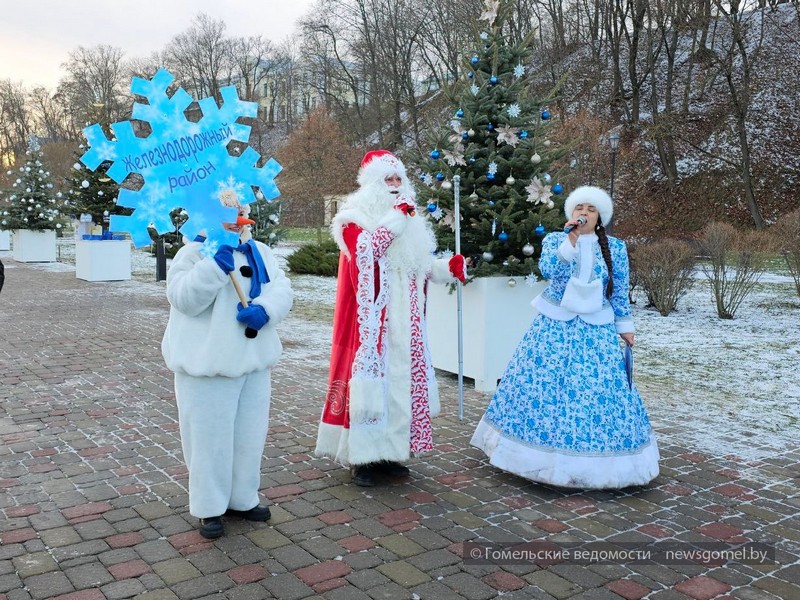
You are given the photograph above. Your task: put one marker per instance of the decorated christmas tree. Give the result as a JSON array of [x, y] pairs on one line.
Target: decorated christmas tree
[[498, 145], [267, 215], [92, 192], [31, 203]]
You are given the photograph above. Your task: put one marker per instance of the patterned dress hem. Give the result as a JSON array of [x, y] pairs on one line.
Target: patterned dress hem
[[567, 469]]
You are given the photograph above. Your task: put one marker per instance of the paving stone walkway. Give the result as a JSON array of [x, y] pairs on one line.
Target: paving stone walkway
[[93, 498]]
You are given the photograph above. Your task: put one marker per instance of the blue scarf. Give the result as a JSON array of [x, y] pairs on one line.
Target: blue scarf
[[260, 275]]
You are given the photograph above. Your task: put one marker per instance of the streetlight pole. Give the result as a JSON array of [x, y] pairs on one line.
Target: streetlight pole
[[613, 142]]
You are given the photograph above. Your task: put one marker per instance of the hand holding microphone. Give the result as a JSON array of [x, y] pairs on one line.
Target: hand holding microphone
[[574, 223]]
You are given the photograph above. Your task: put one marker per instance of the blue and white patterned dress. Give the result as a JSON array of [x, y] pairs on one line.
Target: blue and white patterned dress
[[563, 413]]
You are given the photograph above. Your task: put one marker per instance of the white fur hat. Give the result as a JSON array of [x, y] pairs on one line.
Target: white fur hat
[[589, 194], [377, 165]]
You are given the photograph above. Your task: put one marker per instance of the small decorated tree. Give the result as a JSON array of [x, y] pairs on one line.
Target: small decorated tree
[[92, 192], [498, 145], [267, 216], [32, 203]]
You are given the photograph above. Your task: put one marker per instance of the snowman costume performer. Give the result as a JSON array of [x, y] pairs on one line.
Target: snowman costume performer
[[222, 354], [564, 412]]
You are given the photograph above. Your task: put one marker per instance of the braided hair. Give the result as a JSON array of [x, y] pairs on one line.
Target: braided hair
[[602, 238]]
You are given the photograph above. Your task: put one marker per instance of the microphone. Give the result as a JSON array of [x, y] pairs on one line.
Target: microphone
[[581, 221]]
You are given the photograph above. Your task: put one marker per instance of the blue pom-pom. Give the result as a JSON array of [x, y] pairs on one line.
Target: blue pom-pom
[[503, 237], [493, 80], [539, 230], [474, 60], [435, 154], [459, 113], [422, 176], [465, 136], [440, 176], [470, 74], [523, 134], [432, 207], [545, 115], [558, 188], [491, 203]]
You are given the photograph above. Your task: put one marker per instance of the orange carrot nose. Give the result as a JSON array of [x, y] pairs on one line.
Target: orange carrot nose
[[244, 221]]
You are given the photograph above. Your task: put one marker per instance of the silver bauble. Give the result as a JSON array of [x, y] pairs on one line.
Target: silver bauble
[[528, 250]]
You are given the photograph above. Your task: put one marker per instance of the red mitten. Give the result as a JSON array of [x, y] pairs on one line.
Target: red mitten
[[458, 267]]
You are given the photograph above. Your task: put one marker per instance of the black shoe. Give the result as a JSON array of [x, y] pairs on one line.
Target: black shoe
[[392, 469], [211, 528], [364, 475], [257, 513]]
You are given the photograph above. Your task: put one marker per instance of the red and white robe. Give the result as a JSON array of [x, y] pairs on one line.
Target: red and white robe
[[382, 390]]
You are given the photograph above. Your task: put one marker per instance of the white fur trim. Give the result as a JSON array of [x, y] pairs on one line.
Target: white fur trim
[[441, 271], [395, 221], [366, 400], [379, 168], [570, 470], [589, 194], [624, 325]]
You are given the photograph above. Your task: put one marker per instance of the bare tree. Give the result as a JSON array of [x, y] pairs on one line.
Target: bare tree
[[51, 116], [200, 57], [95, 85], [15, 121], [252, 60], [736, 56]]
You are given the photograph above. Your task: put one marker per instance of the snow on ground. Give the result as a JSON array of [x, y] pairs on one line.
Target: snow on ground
[[731, 385]]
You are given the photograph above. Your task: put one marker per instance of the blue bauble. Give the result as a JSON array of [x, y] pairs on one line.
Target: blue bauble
[[474, 60], [432, 207], [435, 154], [523, 134], [545, 115], [558, 188], [546, 178], [539, 230], [459, 113], [493, 80], [490, 127], [440, 176], [470, 74], [491, 203], [490, 176], [465, 136], [422, 176], [503, 237]]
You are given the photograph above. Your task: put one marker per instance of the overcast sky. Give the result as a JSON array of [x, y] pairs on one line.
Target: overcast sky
[[37, 35]]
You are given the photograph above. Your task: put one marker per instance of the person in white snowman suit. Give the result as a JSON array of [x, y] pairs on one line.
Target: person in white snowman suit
[[222, 354]]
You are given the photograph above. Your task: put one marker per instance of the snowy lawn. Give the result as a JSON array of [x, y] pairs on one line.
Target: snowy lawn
[[733, 384]]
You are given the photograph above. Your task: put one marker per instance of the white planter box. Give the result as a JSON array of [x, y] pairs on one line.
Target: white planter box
[[495, 317], [34, 246], [5, 240], [103, 260]]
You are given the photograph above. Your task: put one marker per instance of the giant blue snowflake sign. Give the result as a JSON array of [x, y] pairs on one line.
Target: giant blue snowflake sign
[[184, 164]]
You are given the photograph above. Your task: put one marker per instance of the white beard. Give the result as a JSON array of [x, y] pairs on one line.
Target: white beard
[[413, 249]]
